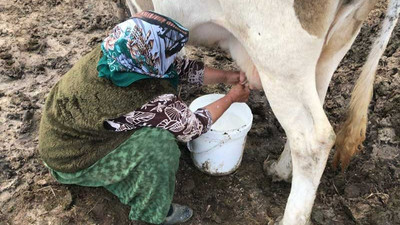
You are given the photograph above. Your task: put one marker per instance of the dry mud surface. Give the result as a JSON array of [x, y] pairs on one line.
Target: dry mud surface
[[41, 40]]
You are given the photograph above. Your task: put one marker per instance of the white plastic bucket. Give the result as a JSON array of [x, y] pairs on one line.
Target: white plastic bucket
[[219, 151]]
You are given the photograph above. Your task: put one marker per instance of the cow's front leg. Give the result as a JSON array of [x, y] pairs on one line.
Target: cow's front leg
[[297, 106]]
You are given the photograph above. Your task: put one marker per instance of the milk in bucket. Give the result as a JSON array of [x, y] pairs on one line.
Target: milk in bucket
[[220, 150]]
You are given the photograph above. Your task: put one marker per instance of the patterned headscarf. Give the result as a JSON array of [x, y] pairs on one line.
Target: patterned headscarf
[[145, 46]]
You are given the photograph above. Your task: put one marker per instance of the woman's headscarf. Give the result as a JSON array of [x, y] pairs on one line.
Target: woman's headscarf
[[145, 46]]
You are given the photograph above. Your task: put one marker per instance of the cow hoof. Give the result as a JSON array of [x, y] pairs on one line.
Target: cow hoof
[[269, 168], [278, 221]]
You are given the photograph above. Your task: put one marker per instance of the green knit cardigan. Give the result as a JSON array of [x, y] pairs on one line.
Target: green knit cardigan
[[71, 135]]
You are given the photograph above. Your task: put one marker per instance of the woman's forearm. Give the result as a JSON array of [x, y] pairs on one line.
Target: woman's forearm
[[218, 107], [214, 76]]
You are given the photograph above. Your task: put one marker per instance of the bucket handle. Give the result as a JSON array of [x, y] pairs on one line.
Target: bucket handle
[[190, 147]]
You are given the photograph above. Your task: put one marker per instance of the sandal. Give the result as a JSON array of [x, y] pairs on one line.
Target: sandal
[[180, 214]]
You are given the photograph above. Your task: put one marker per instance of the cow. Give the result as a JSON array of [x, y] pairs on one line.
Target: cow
[[290, 49]]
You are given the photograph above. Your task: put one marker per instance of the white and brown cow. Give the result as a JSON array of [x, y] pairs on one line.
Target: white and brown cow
[[295, 46]]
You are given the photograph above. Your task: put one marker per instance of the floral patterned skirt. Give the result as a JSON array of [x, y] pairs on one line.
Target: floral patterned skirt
[[140, 172]]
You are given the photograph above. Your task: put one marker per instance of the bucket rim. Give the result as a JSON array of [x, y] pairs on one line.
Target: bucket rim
[[218, 95]]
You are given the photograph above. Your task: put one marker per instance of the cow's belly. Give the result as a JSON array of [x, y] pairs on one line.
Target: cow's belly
[[209, 34], [271, 40], [273, 36]]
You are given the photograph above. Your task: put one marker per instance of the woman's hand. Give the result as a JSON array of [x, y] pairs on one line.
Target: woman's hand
[[238, 93], [235, 77]]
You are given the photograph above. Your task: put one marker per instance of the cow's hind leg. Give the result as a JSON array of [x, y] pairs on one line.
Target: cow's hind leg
[[280, 169], [331, 55], [338, 41], [297, 106]]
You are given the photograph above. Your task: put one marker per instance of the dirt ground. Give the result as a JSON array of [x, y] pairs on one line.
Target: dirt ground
[[41, 40]]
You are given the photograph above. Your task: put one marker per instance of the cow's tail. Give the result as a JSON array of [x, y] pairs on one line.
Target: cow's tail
[[350, 137]]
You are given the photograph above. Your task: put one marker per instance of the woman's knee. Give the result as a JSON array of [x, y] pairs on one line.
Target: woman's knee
[[161, 147]]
